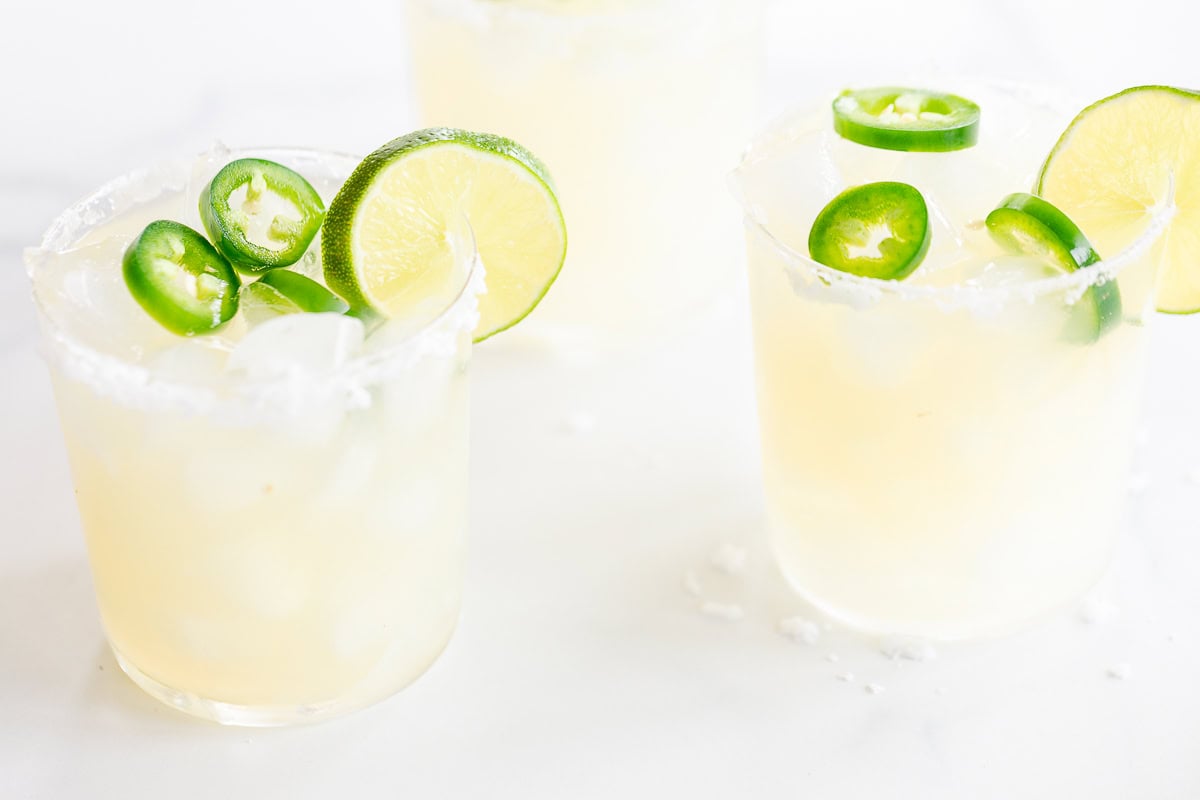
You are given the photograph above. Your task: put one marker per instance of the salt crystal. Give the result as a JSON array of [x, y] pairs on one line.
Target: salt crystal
[[1120, 672], [874, 688], [908, 649], [729, 612], [846, 677], [832, 658], [729, 558], [799, 630], [691, 583]]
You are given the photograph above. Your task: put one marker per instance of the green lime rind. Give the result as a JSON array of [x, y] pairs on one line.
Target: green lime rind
[[282, 291], [1028, 225], [1178, 284], [180, 279], [856, 216], [937, 122], [224, 225], [1071, 128], [337, 252]]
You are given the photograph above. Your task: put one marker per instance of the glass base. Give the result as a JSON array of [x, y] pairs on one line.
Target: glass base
[[939, 630], [228, 713]]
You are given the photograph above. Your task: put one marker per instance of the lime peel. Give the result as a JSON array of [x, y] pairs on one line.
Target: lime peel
[[387, 241], [1108, 171]]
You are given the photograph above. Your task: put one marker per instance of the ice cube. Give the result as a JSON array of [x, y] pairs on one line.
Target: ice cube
[[222, 484], [886, 348], [194, 360], [297, 344], [260, 576], [85, 294], [350, 476], [204, 167], [310, 264], [1002, 271]]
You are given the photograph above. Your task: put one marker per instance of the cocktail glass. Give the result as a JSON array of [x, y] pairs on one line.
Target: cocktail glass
[[942, 457], [641, 108], [275, 526]]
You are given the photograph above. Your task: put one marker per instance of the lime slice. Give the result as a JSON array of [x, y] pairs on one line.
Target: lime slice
[[180, 279], [282, 291], [877, 230], [1028, 225], [387, 244], [916, 120], [260, 214], [1116, 163]]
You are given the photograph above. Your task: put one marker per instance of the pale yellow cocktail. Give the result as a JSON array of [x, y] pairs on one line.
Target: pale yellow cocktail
[[275, 512], [641, 108], [943, 456]]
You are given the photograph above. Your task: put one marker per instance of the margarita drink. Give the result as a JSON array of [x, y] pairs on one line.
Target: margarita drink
[[945, 455], [641, 108], [274, 512]]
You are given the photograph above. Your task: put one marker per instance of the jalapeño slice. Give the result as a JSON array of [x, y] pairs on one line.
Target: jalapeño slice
[[180, 279], [282, 291], [260, 214], [1028, 225], [877, 230], [915, 120]]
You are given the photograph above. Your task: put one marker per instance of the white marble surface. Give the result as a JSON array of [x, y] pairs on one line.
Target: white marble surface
[[582, 668]]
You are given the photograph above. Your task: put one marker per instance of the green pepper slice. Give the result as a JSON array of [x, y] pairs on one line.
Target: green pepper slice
[[914, 120], [260, 214], [877, 230], [282, 291], [180, 279], [1028, 225]]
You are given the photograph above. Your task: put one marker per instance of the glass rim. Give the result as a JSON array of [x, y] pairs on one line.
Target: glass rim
[[459, 313], [559, 15], [952, 296]]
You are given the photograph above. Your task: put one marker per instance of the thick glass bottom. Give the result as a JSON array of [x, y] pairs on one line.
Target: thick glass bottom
[[968, 607], [256, 716]]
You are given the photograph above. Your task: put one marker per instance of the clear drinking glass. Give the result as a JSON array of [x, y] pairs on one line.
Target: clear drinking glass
[[944, 457], [274, 518], [640, 108]]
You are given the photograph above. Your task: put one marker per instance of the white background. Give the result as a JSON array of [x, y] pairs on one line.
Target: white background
[[581, 669]]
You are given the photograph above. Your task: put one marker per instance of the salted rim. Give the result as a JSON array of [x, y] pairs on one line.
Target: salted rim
[[138, 384], [793, 125]]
